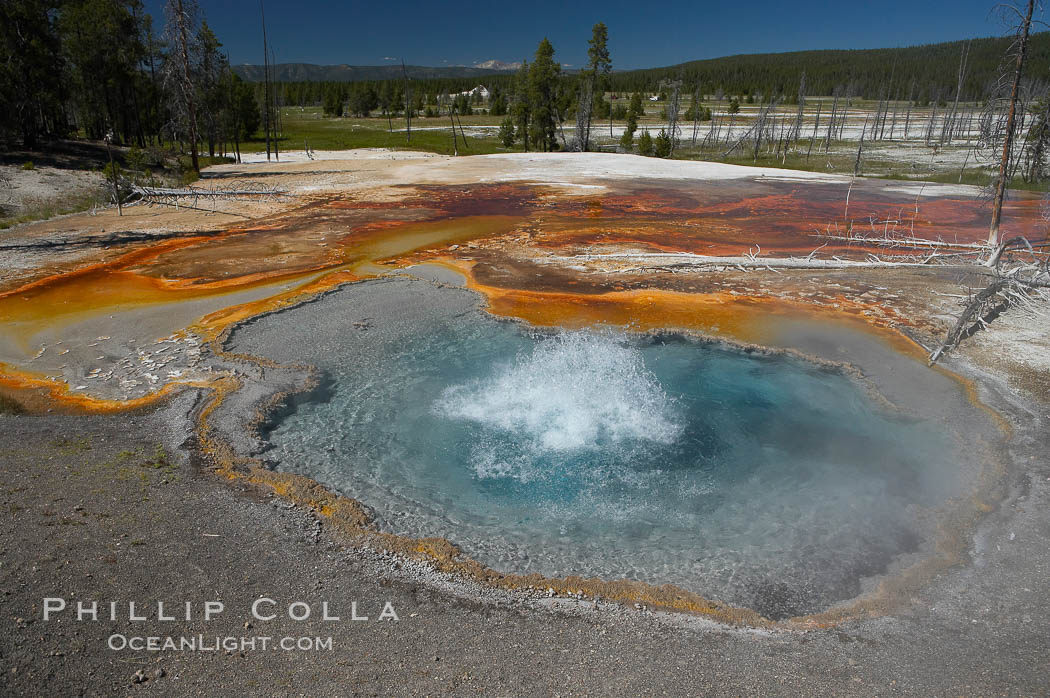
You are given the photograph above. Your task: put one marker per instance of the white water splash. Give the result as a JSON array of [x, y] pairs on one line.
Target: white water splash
[[576, 390]]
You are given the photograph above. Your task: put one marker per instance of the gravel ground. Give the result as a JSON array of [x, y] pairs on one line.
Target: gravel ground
[[23, 190]]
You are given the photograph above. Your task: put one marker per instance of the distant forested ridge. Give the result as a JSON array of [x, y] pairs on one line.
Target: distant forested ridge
[[917, 72]]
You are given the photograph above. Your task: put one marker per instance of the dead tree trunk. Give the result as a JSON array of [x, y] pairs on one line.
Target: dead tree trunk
[[1004, 162], [935, 96], [585, 102], [276, 119], [893, 121], [1040, 141], [831, 123], [845, 109], [266, 82], [860, 149], [452, 120], [949, 124], [181, 19], [113, 172], [1025, 282], [816, 125], [696, 113], [760, 127], [907, 119], [974, 312], [673, 107], [408, 103], [797, 133]]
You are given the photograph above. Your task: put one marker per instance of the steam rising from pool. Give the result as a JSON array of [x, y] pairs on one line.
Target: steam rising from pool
[[574, 392], [758, 480]]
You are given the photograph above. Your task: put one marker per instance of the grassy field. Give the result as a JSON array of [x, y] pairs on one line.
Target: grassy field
[[434, 135]]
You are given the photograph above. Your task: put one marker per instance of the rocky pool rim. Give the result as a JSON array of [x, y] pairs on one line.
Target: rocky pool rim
[[949, 547]]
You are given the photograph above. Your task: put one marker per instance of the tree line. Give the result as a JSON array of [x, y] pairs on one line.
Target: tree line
[[101, 68], [916, 73]]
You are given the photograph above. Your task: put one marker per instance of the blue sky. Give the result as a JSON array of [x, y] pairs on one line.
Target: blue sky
[[641, 35]]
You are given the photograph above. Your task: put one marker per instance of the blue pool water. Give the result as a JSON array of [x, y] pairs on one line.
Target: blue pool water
[[757, 480]]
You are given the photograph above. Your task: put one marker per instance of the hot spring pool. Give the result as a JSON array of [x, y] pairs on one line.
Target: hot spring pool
[[757, 480]]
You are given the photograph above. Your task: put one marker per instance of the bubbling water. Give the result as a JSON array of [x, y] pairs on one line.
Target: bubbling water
[[574, 392]]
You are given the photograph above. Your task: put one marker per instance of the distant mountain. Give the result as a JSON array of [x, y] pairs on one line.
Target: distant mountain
[[302, 72], [498, 65]]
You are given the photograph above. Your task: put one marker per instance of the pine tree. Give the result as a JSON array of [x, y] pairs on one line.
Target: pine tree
[[645, 144], [543, 95], [31, 85], [592, 85], [520, 111], [506, 132], [662, 145], [363, 99], [634, 110], [246, 108], [695, 111], [210, 85], [386, 102], [497, 102], [333, 102], [102, 40]]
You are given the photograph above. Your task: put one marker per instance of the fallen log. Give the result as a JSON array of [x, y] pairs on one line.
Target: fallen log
[[903, 242], [972, 315], [684, 259], [194, 192]]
